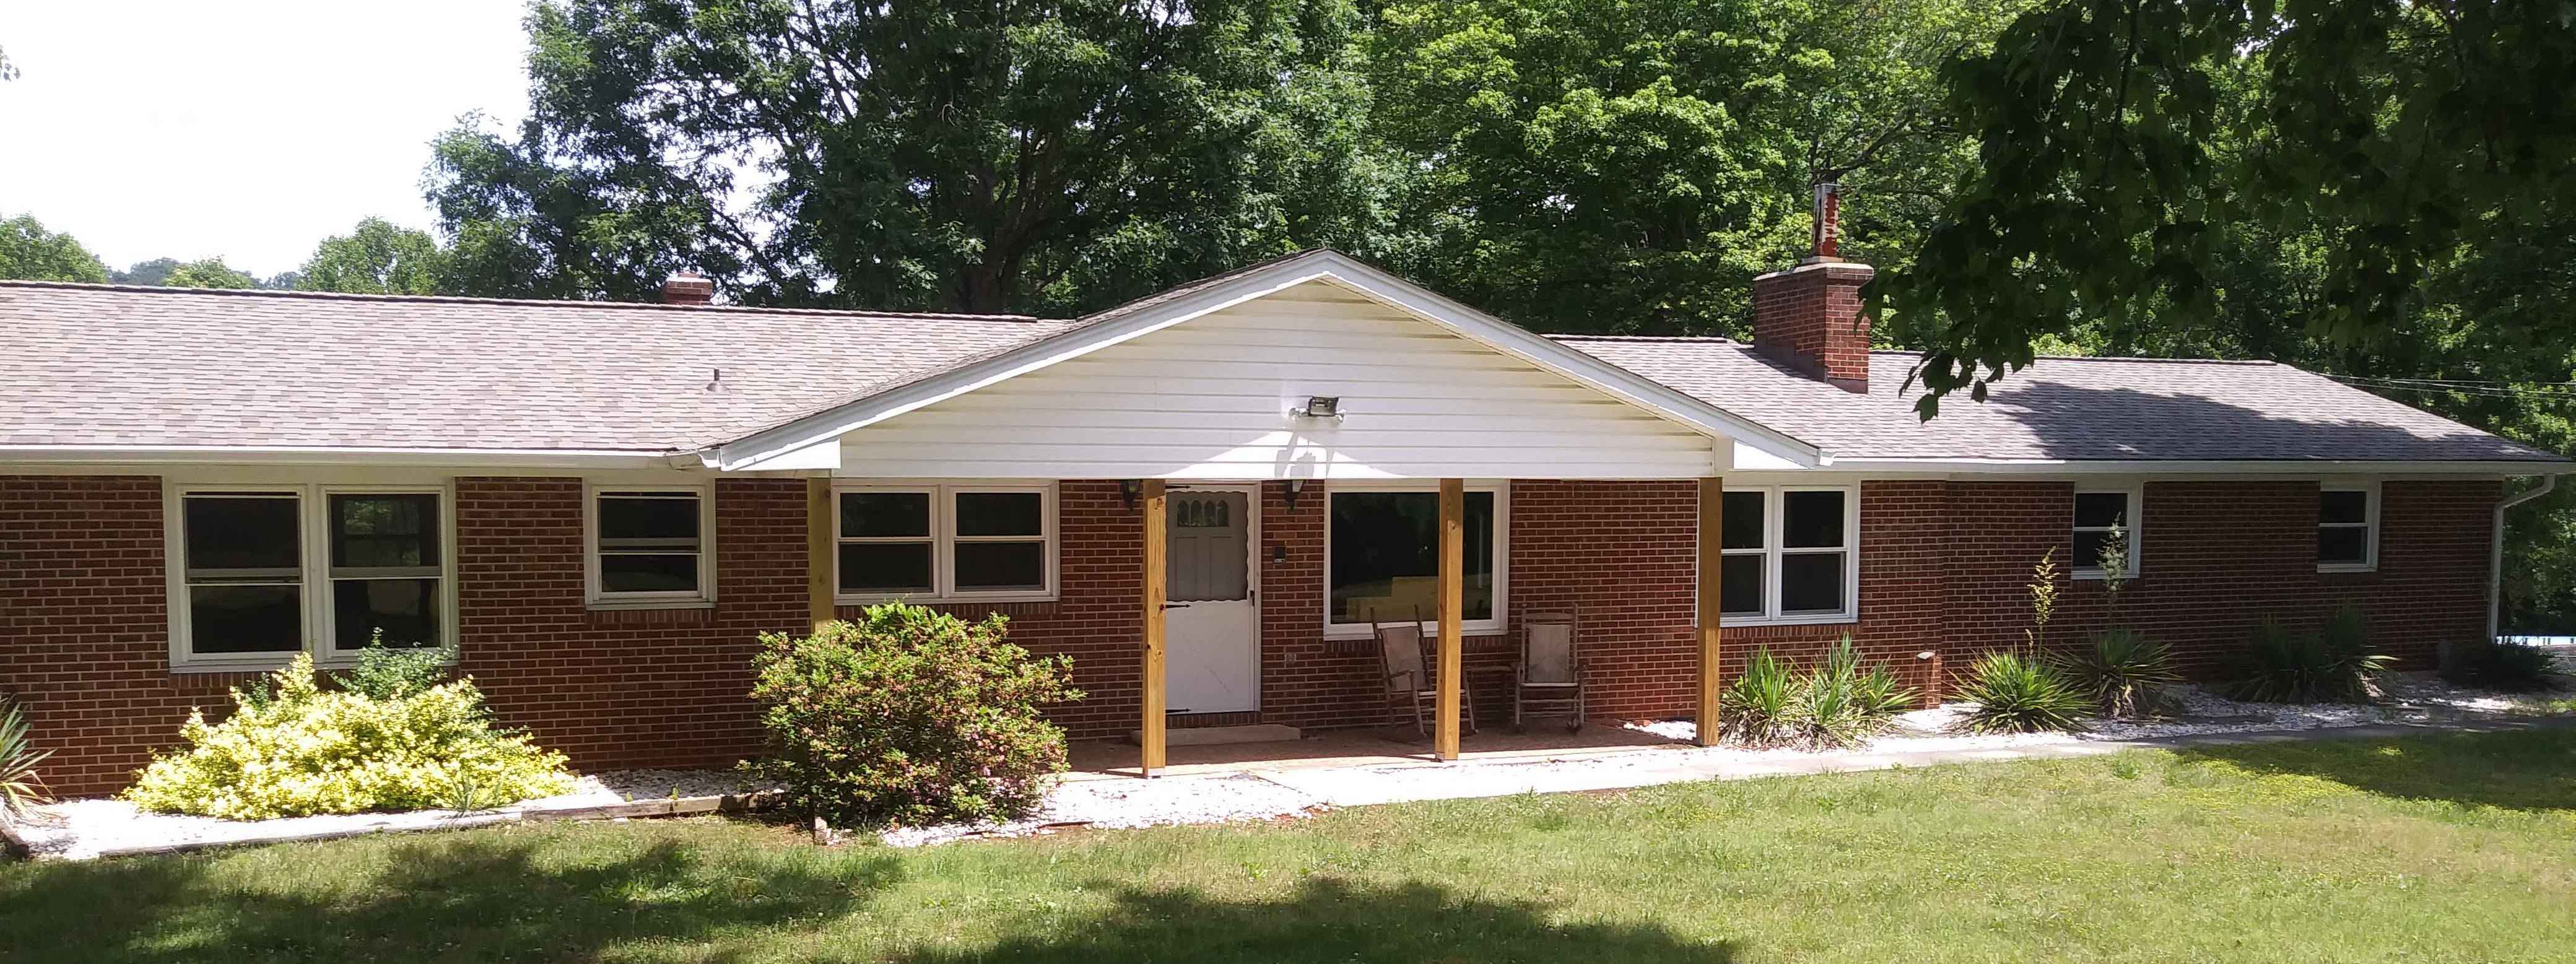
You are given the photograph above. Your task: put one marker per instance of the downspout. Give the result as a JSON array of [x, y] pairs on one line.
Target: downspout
[[2495, 554]]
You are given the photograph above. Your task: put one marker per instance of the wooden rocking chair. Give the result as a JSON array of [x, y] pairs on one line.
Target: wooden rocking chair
[[1410, 677], [1551, 672]]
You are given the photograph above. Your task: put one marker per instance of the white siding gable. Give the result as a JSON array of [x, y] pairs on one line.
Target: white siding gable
[[1212, 398]]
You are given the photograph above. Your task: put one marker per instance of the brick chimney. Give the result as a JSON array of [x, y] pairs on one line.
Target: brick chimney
[[688, 289], [1808, 317]]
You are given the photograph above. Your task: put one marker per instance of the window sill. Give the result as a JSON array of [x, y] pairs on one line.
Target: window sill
[[621, 605], [2331, 568], [2096, 575], [1747, 622], [1009, 597], [1429, 630], [205, 668]]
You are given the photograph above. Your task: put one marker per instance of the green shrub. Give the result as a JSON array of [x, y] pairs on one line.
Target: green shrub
[[1838, 704], [293, 748], [21, 788], [2015, 693], [2123, 671], [911, 717], [2500, 665], [2334, 664], [1759, 706]]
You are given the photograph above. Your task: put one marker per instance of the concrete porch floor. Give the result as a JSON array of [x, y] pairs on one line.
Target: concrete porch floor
[[1374, 747]]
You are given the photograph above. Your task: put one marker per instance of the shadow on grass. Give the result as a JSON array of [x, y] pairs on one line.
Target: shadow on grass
[[469, 897], [2525, 769], [1329, 920]]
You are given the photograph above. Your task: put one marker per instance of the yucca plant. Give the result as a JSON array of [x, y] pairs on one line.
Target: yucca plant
[[21, 788], [2015, 693], [2334, 664], [1760, 706], [2123, 671]]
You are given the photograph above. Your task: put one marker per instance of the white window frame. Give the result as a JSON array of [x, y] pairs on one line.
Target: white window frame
[[2370, 521], [313, 550], [599, 598], [944, 540], [2129, 528], [1495, 626], [1775, 520]]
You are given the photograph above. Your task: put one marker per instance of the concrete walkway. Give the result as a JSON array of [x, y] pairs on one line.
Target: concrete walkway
[[1257, 791]]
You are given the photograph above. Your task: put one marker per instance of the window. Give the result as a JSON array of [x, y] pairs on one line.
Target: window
[[1788, 555], [267, 571], [650, 546], [2347, 528], [1382, 558], [2105, 520], [945, 542]]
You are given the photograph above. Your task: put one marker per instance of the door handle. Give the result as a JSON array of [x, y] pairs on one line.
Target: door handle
[[1176, 605]]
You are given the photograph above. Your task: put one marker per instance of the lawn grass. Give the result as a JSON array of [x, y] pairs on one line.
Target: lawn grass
[[2447, 847]]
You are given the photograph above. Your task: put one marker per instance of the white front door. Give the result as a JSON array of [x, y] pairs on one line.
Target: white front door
[[1212, 627]]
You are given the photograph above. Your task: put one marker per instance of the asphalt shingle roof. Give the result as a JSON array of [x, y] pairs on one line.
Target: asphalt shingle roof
[[2075, 409], [111, 365]]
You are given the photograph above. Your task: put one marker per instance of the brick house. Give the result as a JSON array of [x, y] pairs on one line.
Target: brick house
[[599, 505]]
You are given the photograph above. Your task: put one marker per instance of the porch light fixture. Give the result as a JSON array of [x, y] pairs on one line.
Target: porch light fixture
[[1296, 487], [1129, 491], [1322, 406]]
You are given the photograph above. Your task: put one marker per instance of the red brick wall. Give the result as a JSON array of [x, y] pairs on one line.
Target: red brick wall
[[84, 636], [621, 688], [1810, 316], [84, 630], [2215, 558]]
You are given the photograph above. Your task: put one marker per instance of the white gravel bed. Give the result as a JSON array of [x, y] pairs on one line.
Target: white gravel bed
[[1122, 804], [82, 829], [2411, 698]]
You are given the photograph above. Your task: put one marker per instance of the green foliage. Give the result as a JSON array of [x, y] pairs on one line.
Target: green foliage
[[1049, 155], [2017, 693], [2123, 671], [1629, 166], [2332, 664], [909, 716], [209, 273], [386, 673], [22, 788], [305, 750], [2500, 665], [1840, 703], [2127, 146], [29, 252], [376, 258]]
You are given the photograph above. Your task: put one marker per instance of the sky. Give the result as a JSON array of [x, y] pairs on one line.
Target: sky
[[248, 130]]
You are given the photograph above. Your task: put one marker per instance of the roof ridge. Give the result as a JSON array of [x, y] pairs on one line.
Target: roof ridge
[[1694, 339], [524, 302]]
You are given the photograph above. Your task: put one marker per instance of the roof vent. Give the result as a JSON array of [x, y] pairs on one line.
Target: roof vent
[[688, 289]]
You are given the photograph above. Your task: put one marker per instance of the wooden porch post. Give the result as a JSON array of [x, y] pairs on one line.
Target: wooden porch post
[[821, 551], [1453, 526], [1712, 558], [1151, 730]]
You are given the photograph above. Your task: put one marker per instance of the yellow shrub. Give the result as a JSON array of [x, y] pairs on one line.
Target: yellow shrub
[[306, 750]]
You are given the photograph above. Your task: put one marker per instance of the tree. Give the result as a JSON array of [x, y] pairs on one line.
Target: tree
[[1055, 155], [29, 252], [378, 257], [1630, 166], [153, 272], [209, 273], [2128, 146]]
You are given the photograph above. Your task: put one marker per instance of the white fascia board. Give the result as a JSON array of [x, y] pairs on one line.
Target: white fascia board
[[2259, 467], [755, 450], [338, 455]]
